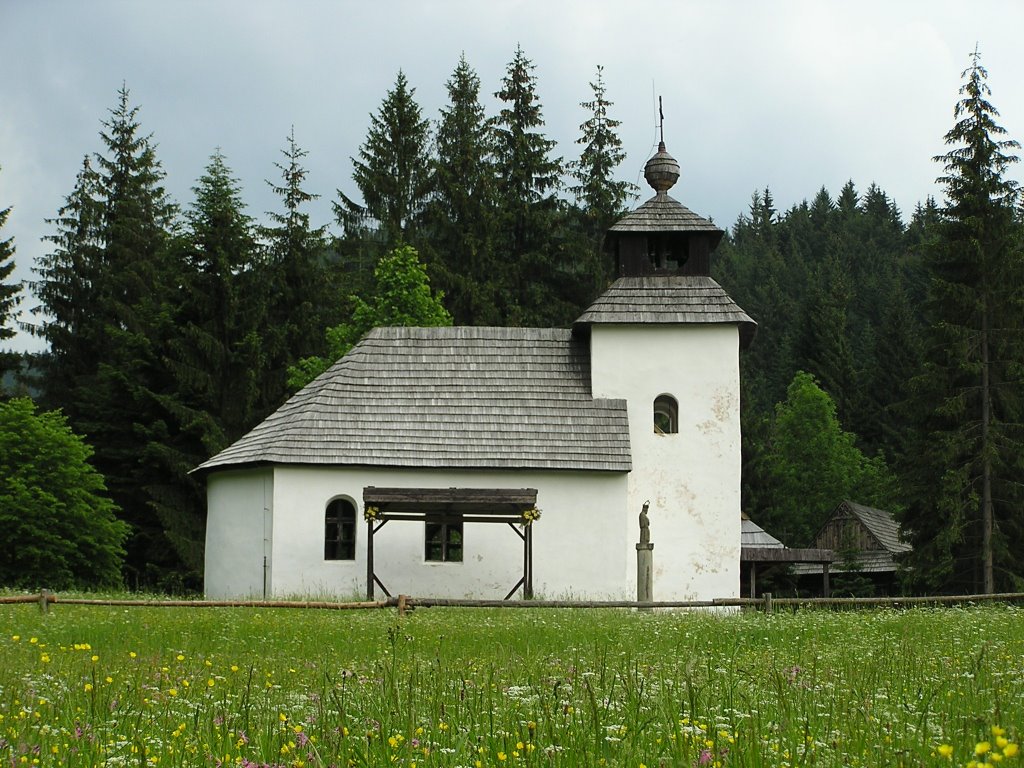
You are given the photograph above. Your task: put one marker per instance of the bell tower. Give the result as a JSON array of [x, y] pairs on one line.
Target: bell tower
[[662, 236], [665, 337]]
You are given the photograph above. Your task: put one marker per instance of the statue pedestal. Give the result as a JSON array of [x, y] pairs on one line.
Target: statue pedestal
[[645, 573]]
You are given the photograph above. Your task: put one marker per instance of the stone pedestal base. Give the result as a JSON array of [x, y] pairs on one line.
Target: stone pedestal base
[[645, 573]]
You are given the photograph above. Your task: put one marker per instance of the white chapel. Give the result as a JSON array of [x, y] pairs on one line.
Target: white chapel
[[509, 462]]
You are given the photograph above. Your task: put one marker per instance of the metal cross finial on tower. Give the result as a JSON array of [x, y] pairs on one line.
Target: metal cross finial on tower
[[661, 123]]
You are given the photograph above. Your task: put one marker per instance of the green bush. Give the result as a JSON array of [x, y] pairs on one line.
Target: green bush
[[58, 529]]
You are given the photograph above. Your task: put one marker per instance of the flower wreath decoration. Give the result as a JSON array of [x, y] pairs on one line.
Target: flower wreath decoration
[[370, 514], [530, 515]]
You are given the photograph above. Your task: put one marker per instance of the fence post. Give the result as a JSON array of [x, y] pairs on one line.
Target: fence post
[[767, 602], [44, 602], [402, 600]]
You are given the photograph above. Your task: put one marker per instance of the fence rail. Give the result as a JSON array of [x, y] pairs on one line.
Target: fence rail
[[404, 603]]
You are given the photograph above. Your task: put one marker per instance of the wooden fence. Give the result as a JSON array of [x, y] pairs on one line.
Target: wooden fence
[[404, 603]]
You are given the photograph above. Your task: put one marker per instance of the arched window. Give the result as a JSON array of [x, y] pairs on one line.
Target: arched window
[[666, 415], [340, 530]]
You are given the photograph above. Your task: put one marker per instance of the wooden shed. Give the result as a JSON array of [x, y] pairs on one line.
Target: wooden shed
[[866, 541]]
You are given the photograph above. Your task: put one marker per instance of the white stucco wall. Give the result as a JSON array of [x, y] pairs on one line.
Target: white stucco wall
[[238, 533], [692, 478], [578, 542]]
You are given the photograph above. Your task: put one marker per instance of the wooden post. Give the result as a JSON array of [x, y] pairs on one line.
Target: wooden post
[[402, 600], [44, 602], [824, 576], [753, 580], [369, 559], [767, 602], [528, 585]]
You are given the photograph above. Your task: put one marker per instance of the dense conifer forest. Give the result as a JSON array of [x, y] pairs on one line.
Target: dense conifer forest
[[887, 366]]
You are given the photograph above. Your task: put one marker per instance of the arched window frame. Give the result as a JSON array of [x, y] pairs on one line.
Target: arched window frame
[[666, 415], [340, 529]]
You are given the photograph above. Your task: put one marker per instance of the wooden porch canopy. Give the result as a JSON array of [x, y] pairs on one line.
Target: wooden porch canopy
[[784, 555], [451, 505]]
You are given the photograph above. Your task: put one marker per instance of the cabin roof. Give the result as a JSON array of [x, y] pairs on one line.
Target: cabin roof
[[880, 524]]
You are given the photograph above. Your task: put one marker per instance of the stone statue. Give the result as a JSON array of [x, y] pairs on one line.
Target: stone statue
[[645, 524]]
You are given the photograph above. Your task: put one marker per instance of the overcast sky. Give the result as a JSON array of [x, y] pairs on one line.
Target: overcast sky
[[787, 95]]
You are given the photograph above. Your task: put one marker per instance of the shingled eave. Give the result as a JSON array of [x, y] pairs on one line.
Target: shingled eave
[[666, 300]]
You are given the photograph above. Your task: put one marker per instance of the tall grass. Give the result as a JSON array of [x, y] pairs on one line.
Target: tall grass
[[88, 685]]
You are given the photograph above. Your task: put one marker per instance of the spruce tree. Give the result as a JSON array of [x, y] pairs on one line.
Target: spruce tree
[[301, 293], [822, 342], [104, 294], [214, 355], [67, 288], [116, 407], [10, 296], [460, 216], [965, 518], [528, 180], [393, 171], [601, 197]]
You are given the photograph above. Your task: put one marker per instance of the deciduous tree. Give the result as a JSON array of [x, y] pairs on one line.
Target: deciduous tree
[[58, 528], [401, 297], [811, 465]]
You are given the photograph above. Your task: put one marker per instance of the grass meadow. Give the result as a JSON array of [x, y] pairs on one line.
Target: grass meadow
[[107, 686]]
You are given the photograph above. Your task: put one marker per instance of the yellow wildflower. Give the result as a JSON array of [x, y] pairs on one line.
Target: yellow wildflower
[[1011, 750], [982, 747], [946, 750]]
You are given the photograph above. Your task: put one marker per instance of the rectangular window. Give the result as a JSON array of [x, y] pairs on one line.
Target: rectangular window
[[443, 542]]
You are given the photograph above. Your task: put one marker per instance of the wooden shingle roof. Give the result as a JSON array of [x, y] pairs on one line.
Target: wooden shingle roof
[[881, 524], [670, 299], [663, 213], [495, 398]]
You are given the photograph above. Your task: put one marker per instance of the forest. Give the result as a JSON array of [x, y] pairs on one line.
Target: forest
[[887, 366]]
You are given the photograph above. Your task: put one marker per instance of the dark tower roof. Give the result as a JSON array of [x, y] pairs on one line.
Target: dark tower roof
[[663, 213], [663, 257], [662, 236]]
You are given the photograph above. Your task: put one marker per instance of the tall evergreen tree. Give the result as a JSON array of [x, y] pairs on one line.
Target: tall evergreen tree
[[67, 289], [116, 408], [301, 290], [528, 179], [214, 355], [393, 170], [965, 518], [822, 342], [104, 297], [460, 217], [602, 198], [9, 296]]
